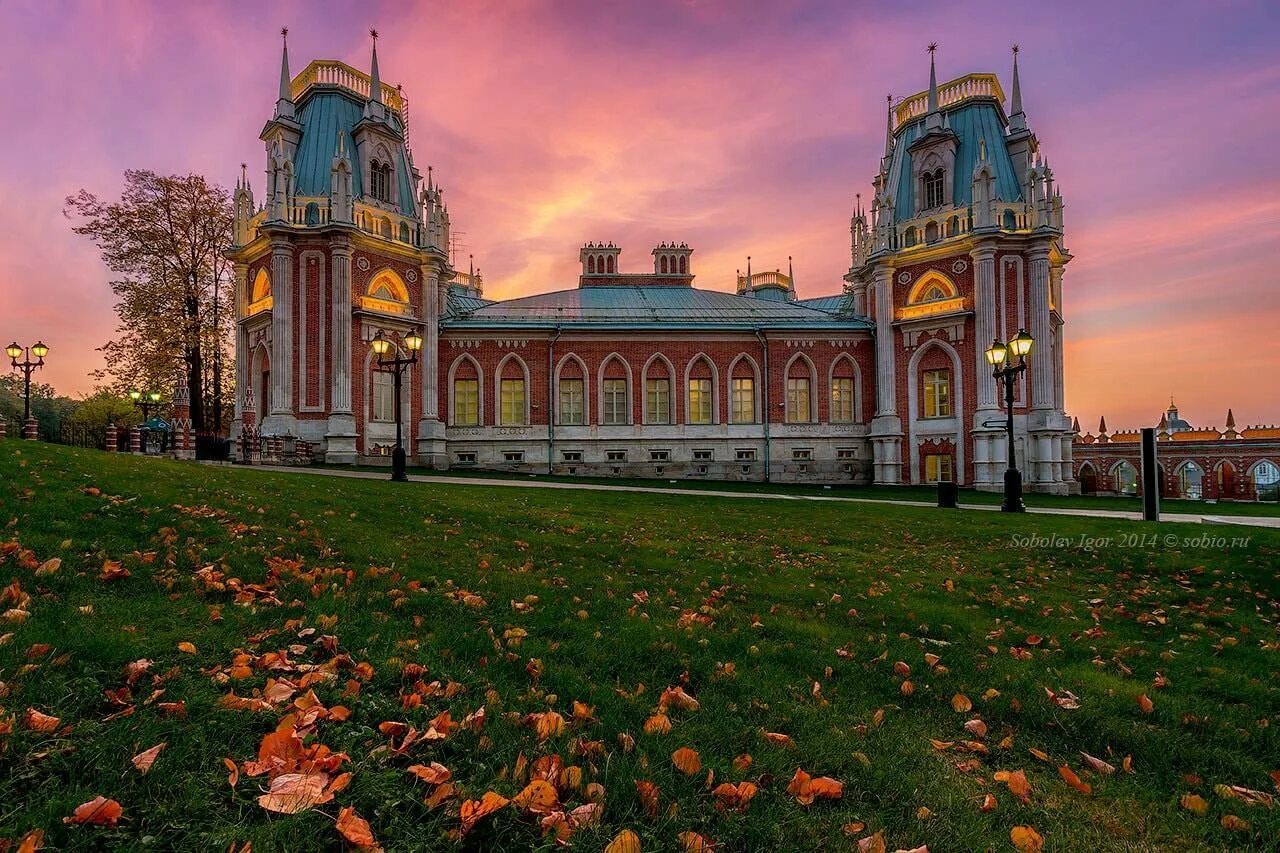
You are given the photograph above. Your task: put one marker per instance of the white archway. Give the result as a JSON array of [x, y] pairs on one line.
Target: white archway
[[952, 427]]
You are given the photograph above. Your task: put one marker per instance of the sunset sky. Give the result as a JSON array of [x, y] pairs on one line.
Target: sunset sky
[[740, 128]]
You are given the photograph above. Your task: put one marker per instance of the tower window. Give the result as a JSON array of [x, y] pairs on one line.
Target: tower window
[[937, 393], [380, 180], [933, 189]]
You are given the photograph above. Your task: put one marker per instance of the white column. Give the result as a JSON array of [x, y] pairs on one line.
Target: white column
[[340, 335], [281, 420], [340, 435], [1055, 285], [985, 308], [431, 341], [886, 387], [240, 300], [1042, 362]]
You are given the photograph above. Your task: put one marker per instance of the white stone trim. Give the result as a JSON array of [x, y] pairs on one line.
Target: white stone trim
[[586, 391], [814, 390], [715, 388], [670, 376], [756, 387], [497, 391], [600, 377], [857, 386], [956, 429]]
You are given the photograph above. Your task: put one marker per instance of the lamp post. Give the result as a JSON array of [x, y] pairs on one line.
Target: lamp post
[[381, 346], [145, 401], [27, 366], [1000, 356]]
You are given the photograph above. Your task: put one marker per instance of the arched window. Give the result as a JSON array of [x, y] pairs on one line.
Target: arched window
[[931, 232], [615, 395], [572, 409], [380, 180], [1010, 221], [609, 261], [591, 264], [799, 402], [933, 196], [843, 390], [684, 265], [937, 393], [384, 227], [513, 400], [909, 236], [953, 226], [662, 264], [382, 404], [387, 285], [657, 391], [742, 392], [404, 232], [465, 389], [1191, 481], [931, 287], [260, 293], [1266, 479], [700, 403], [312, 214]]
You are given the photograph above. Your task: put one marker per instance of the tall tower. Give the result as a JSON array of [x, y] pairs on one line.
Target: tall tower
[[347, 244], [963, 245]]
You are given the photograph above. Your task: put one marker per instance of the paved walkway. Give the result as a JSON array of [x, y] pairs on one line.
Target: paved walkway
[[1197, 518]]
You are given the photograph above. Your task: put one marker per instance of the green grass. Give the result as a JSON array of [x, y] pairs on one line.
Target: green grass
[[926, 494], [793, 593]]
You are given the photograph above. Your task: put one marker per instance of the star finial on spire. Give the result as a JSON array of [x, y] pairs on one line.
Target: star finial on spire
[[374, 33], [1016, 48], [284, 32], [933, 46]]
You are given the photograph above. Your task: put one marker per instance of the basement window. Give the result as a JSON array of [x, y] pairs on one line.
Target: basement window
[[571, 455], [467, 458], [513, 456]]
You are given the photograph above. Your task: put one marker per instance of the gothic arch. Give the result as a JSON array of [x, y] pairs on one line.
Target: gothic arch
[[586, 393], [703, 358], [926, 289], [846, 358], [756, 387], [406, 392], [260, 363], [669, 374], [600, 377], [498, 373], [387, 284], [814, 390], [466, 358], [956, 433]]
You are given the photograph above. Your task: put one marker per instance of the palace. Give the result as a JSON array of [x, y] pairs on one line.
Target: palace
[[1194, 463], [642, 373]]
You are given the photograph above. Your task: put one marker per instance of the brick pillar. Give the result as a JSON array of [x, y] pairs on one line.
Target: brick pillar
[[135, 439], [30, 429], [181, 421], [3, 426], [112, 444]]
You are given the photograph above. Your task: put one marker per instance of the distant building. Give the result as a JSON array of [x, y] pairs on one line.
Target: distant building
[[642, 373], [1195, 463]]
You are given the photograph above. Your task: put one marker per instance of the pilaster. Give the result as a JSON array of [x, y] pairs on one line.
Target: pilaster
[[886, 427], [340, 435], [280, 420]]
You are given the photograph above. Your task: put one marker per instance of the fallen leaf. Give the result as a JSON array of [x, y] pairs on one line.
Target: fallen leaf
[[144, 760], [1145, 704], [291, 793], [1098, 764], [1017, 782], [624, 842], [686, 760], [1235, 824], [1026, 839], [187, 647], [99, 811], [38, 722], [539, 797], [472, 811], [1194, 803], [692, 842], [872, 844], [434, 774], [961, 704], [233, 772], [355, 829], [1069, 776]]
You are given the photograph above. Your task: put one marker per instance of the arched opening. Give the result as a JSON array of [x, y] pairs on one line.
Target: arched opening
[[931, 232], [571, 395], [1124, 478], [388, 286], [1010, 221], [404, 232], [953, 226], [615, 392], [591, 264], [1266, 480], [513, 396], [1088, 479], [384, 227], [909, 236], [659, 379], [700, 405], [312, 214], [464, 392], [684, 265], [799, 405], [933, 189], [1226, 480], [259, 293], [609, 263], [743, 406], [1191, 481], [844, 390], [662, 264]]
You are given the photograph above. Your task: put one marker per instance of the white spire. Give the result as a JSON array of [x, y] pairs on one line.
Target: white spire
[[284, 104], [375, 85], [1017, 119], [933, 79]]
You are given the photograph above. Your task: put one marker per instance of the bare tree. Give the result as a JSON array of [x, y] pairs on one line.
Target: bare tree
[[165, 237]]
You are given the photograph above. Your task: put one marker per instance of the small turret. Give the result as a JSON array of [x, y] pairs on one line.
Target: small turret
[[242, 208], [340, 182], [599, 259], [670, 259]]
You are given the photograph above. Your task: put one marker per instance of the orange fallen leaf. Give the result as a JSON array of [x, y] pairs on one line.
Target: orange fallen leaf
[[1194, 803], [473, 811], [1026, 839], [32, 841], [988, 804], [356, 830], [734, 798], [434, 774], [872, 844], [779, 738], [692, 842], [1069, 776], [960, 704], [1145, 704], [1234, 823], [539, 796], [1017, 782], [624, 842], [187, 647], [648, 794], [38, 722], [291, 793], [686, 760], [233, 772], [658, 724], [99, 811], [144, 760], [742, 763]]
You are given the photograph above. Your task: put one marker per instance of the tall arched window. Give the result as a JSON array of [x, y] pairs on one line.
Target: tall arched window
[[615, 396], [684, 265], [799, 402], [662, 264], [609, 262], [657, 391], [380, 180], [933, 195]]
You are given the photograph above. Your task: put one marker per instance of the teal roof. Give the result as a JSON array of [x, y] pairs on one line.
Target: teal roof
[[971, 121], [653, 307], [833, 304], [322, 114]]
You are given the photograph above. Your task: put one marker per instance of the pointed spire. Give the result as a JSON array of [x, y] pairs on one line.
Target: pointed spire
[[933, 79], [888, 125], [284, 103], [791, 276], [1017, 120], [375, 84], [429, 184], [1075, 426], [1231, 420], [1102, 425], [244, 174]]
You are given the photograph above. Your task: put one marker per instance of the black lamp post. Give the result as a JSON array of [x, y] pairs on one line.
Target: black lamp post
[[148, 401], [27, 366], [1007, 373], [381, 346]]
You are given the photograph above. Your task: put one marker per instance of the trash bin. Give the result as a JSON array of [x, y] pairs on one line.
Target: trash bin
[[947, 494], [213, 447]]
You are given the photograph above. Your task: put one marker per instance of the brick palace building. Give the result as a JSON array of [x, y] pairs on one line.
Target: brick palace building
[[1195, 463], [642, 373]]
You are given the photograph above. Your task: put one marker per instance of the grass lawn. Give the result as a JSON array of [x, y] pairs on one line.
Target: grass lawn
[[921, 658], [927, 494]]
